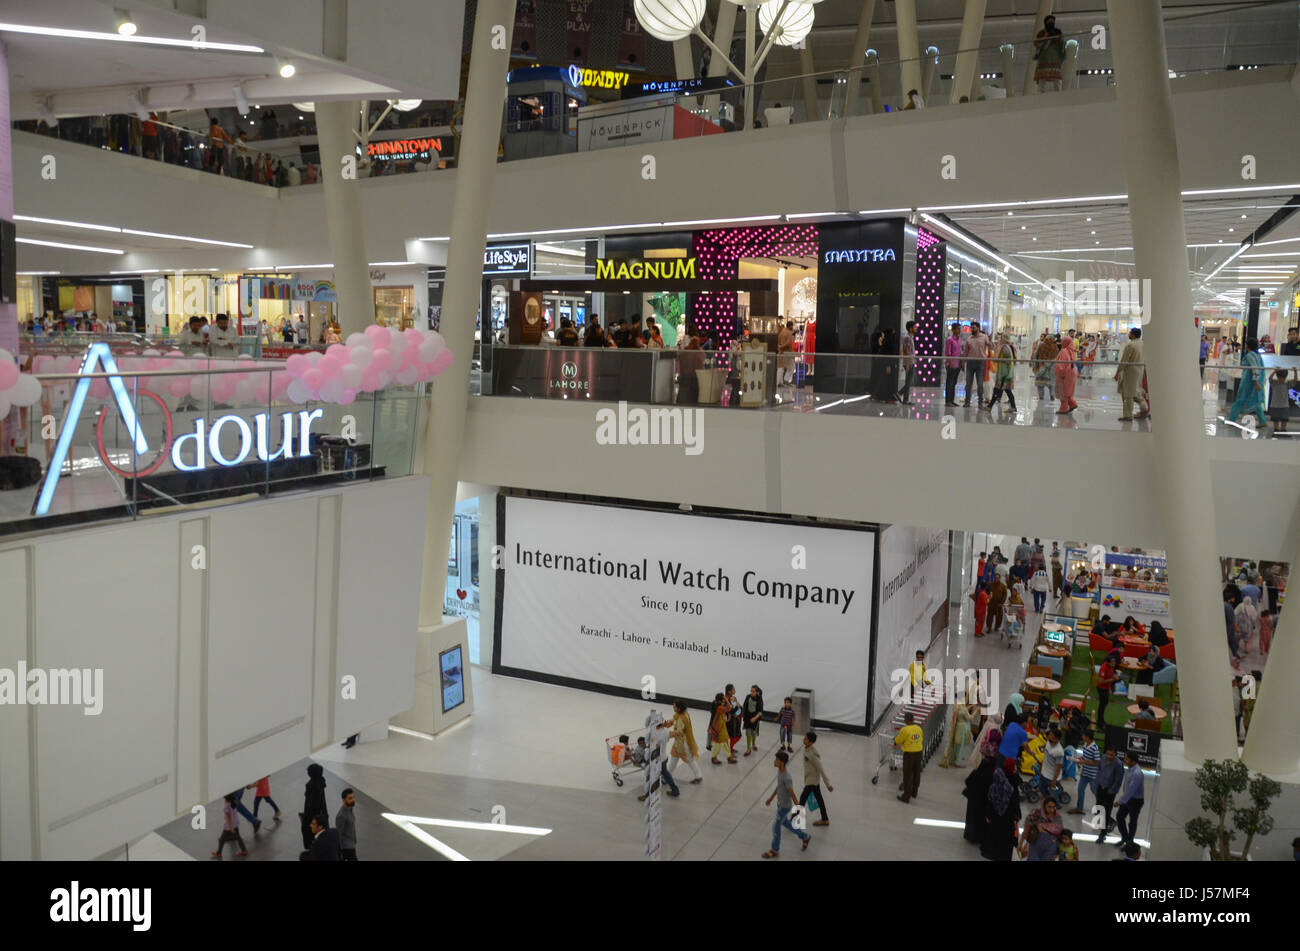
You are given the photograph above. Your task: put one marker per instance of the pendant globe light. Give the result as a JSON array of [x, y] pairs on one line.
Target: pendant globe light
[[669, 20], [795, 23]]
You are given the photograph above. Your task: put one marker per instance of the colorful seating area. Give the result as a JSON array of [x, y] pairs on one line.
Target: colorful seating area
[[1067, 671]]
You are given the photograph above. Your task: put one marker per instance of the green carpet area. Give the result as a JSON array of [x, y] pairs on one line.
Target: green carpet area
[[1077, 682]]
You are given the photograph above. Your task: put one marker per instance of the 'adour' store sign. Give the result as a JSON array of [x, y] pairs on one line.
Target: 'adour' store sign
[[188, 452], [859, 255], [662, 269]]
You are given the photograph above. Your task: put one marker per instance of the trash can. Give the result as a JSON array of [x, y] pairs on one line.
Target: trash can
[[802, 701], [1079, 606]]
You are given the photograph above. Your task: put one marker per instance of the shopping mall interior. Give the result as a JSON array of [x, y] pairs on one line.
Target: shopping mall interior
[[962, 406]]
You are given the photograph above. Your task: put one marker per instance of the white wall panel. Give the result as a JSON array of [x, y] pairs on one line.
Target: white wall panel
[[107, 599]]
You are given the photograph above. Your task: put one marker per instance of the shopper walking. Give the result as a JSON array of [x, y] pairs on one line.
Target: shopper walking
[[997, 600], [1066, 376], [1003, 813], [981, 599], [735, 718], [813, 774], [1049, 51], [1044, 357], [1039, 585], [753, 714], [1132, 794], [1246, 619], [907, 348], [976, 791], [718, 737], [243, 810], [1004, 373], [1250, 388], [1130, 374], [313, 802], [324, 841], [784, 795], [1231, 598], [952, 365], [263, 787], [911, 741], [976, 351], [658, 739], [959, 737], [682, 732], [230, 830]]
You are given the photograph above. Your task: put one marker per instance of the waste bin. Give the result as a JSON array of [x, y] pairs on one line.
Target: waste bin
[[802, 701]]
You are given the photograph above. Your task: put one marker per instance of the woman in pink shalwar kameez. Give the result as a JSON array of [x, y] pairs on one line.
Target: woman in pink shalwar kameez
[[1066, 375]]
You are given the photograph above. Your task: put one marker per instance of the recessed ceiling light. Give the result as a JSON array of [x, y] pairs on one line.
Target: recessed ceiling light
[[1089, 219], [1022, 227], [1243, 216], [125, 25], [1230, 230], [1033, 239], [1009, 213], [287, 70]]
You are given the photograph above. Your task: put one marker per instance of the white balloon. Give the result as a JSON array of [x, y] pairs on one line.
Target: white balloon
[[362, 357], [315, 357], [359, 340], [397, 341], [26, 392], [199, 388], [408, 376], [244, 391], [332, 390], [298, 392], [351, 375]]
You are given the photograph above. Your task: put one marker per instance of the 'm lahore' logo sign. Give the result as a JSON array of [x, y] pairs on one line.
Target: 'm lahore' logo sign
[[680, 269]]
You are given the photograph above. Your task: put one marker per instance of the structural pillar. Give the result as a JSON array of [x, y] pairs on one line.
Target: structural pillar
[[928, 69], [968, 53], [335, 125], [856, 57], [723, 31], [1071, 64], [471, 204], [751, 33], [873, 76], [1008, 67], [1179, 457], [683, 62], [1044, 8], [909, 47], [809, 82]]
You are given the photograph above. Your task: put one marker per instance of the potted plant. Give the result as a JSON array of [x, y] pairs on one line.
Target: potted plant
[[1218, 781]]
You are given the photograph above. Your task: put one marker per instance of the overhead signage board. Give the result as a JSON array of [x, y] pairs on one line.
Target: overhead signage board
[[683, 86], [659, 269], [507, 259], [652, 124], [598, 78], [405, 149]]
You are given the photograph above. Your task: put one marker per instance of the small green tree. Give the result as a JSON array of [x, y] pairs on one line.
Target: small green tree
[[1218, 781]]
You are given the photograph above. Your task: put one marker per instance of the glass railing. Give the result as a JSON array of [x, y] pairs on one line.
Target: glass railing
[[143, 441], [880, 386], [138, 343]]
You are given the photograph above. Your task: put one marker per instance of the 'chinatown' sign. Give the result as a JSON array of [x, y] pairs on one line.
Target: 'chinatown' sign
[[662, 269], [404, 149], [200, 445]]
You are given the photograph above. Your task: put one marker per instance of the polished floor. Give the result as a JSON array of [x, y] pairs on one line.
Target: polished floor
[[532, 758]]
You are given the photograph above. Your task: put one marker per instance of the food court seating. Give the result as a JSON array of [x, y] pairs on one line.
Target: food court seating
[[1056, 665]]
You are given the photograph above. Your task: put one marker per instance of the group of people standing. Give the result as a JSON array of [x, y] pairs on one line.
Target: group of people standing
[[320, 842]]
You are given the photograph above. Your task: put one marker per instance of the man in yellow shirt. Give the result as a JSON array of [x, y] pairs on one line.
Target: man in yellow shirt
[[916, 672], [912, 742]]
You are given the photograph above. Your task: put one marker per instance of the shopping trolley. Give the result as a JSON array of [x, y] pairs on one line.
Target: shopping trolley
[[930, 717], [1014, 629], [628, 765]]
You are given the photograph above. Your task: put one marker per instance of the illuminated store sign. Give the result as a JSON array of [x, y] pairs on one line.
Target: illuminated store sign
[[598, 78], [407, 149], [203, 442], [861, 254], [665, 269], [508, 259], [684, 85]]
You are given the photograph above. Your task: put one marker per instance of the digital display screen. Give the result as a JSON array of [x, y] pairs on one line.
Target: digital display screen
[[452, 678]]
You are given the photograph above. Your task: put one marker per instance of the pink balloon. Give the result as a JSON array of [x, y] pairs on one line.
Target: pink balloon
[[9, 374], [99, 389], [297, 365], [378, 335], [442, 361], [370, 380], [336, 349], [280, 385], [331, 365], [414, 336], [175, 353], [382, 361], [349, 395], [178, 386], [407, 376], [314, 378]]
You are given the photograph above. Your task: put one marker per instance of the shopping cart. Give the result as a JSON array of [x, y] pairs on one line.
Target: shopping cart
[[628, 765], [930, 717], [1014, 629]]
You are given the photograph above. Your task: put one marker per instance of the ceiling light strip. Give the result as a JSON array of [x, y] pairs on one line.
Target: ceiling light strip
[[69, 247], [189, 43]]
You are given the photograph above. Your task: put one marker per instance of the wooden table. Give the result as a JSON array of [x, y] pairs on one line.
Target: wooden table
[[1132, 640], [1131, 663], [1043, 684], [1160, 714]]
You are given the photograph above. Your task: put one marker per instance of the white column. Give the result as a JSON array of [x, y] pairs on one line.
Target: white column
[[809, 82], [860, 40], [1008, 67], [751, 32], [928, 69], [909, 48], [1273, 743], [723, 31], [1179, 458], [1071, 64], [683, 62], [1044, 8], [968, 57], [476, 165], [335, 122], [873, 75]]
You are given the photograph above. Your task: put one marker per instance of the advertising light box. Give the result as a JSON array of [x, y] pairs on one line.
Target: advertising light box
[[605, 597]]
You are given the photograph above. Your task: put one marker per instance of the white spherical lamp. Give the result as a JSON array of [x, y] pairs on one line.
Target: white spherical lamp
[[795, 23], [669, 20]]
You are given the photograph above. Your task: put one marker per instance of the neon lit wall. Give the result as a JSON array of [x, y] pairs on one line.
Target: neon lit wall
[[931, 255]]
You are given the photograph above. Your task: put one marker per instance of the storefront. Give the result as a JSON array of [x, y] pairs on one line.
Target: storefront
[[50, 297], [401, 295]]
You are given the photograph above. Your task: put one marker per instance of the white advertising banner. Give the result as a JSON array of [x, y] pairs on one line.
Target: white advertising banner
[[611, 597], [652, 124], [913, 586], [1145, 606]]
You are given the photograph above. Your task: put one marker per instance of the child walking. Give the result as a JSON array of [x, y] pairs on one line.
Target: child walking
[[230, 830], [263, 787], [1279, 402], [785, 720]]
